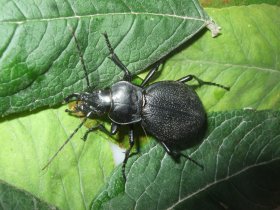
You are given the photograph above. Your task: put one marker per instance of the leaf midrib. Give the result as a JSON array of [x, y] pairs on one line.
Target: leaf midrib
[[19, 22]]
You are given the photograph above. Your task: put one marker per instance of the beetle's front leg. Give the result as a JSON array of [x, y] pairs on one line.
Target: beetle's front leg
[[101, 127]]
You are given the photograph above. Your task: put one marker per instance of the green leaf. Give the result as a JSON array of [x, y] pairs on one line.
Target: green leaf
[[241, 158], [74, 176], [13, 198], [228, 3], [40, 64], [245, 57]]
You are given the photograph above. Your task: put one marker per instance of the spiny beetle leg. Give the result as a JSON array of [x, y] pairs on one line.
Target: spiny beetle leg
[[201, 82], [150, 75], [102, 128], [176, 154]]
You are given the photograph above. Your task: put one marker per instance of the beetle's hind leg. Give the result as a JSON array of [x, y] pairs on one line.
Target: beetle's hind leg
[[200, 82], [116, 60], [176, 155]]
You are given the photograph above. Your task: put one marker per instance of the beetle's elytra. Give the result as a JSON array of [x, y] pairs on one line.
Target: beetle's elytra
[[168, 110]]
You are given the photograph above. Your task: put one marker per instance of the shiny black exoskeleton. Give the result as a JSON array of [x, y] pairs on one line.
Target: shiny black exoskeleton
[[168, 110]]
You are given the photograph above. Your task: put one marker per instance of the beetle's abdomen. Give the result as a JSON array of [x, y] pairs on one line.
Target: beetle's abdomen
[[126, 103], [172, 111]]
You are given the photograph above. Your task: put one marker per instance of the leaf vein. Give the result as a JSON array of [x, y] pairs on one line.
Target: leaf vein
[[19, 9], [238, 41], [103, 14], [230, 65], [5, 48], [221, 180], [239, 127], [266, 145], [246, 197]]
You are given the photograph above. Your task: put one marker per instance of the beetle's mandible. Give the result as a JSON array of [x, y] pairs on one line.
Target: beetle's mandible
[[168, 110]]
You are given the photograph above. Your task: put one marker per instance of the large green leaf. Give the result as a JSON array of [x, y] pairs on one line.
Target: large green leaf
[[40, 64], [73, 178], [12, 198], [241, 159], [28, 141], [245, 57]]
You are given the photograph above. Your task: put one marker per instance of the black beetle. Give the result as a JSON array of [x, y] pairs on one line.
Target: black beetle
[[168, 110]]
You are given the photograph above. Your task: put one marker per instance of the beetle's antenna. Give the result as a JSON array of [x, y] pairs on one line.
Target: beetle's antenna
[[69, 138], [80, 54]]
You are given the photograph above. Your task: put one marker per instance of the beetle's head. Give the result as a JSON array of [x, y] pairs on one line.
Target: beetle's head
[[97, 103]]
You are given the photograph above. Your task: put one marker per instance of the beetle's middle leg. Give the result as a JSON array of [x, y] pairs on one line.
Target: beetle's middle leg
[[200, 82], [127, 152], [101, 127], [116, 60]]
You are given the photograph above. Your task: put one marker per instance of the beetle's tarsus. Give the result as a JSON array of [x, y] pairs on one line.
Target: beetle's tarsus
[[84, 138], [201, 82]]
